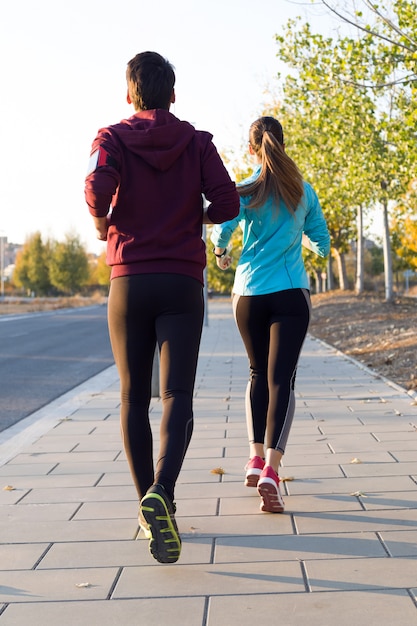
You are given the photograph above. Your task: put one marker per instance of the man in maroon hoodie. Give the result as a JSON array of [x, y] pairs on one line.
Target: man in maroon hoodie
[[144, 190]]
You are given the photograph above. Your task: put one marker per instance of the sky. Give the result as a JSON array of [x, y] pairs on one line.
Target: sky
[[62, 69]]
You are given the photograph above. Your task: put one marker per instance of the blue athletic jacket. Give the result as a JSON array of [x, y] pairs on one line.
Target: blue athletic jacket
[[271, 258]]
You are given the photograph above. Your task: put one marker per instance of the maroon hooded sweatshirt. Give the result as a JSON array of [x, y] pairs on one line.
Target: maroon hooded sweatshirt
[[148, 174]]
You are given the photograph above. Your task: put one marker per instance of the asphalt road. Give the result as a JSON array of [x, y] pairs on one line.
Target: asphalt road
[[44, 355]]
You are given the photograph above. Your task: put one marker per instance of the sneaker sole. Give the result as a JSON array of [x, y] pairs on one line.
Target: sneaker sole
[[252, 477], [271, 499], [165, 543]]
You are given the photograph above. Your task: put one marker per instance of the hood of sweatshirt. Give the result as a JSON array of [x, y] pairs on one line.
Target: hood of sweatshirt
[[156, 136]]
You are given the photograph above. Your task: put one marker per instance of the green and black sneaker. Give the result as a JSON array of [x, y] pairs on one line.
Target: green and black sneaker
[[158, 510]]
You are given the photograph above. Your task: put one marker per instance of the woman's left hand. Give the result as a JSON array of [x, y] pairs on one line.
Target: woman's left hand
[[224, 262]]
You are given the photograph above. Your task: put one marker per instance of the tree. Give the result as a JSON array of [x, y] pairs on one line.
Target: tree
[[404, 229], [69, 268], [333, 111], [323, 126], [99, 271], [31, 271]]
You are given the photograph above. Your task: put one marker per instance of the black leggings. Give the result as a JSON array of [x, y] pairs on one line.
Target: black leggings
[[145, 310], [273, 328]]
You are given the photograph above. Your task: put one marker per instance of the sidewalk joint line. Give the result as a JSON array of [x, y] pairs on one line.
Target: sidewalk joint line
[[114, 584]]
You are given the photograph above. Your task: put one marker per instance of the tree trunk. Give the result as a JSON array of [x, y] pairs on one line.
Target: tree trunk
[[330, 278], [341, 269], [359, 254], [386, 242]]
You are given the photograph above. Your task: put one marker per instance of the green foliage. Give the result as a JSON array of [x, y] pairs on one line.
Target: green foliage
[[221, 281], [52, 268], [31, 272], [69, 268], [100, 271]]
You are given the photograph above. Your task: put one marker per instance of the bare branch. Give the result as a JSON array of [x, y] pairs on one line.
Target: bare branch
[[410, 78], [390, 23], [366, 30]]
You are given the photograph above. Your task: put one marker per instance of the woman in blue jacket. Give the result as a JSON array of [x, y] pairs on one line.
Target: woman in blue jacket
[[279, 212]]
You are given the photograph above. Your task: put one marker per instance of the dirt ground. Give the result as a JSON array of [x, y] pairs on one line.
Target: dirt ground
[[381, 335]]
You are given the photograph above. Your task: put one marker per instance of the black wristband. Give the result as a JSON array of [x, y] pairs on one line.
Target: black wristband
[[220, 256]]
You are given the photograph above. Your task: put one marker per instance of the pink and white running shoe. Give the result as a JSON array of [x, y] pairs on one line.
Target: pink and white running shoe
[[268, 489], [253, 469]]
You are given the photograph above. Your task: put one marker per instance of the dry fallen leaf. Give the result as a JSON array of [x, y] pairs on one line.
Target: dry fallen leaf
[[355, 460], [9, 488], [217, 470], [287, 478]]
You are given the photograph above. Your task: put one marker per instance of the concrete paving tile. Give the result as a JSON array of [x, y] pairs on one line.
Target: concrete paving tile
[[351, 485], [200, 476], [109, 427], [172, 611], [36, 512], [319, 447], [199, 444], [113, 479], [292, 458], [232, 525], [53, 531], [10, 495], [380, 469], [404, 456], [355, 446], [38, 585], [211, 490], [53, 444], [70, 427], [53, 481], [189, 580], [358, 608], [196, 507], [296, 547], [37, 469], [403, 435], [209, 434], [302, 472], [401, 543], [21, 556], [355, 522], [81, 494], [388, 427], [99, 442], [106, 467], [209, 452], [361, 574], [90, 413], [70, 457], [293, 504], [119, 553], [107, 510], [192, 464], [367, 502]]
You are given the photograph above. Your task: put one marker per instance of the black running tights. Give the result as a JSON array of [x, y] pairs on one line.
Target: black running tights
[[144, 311], [273, 328]]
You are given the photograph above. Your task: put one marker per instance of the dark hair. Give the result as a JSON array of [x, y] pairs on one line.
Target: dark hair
[[150, 80], [279, 176]]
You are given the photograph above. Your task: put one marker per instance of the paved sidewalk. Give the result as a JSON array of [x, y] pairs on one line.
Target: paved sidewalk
[[344, 553]]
